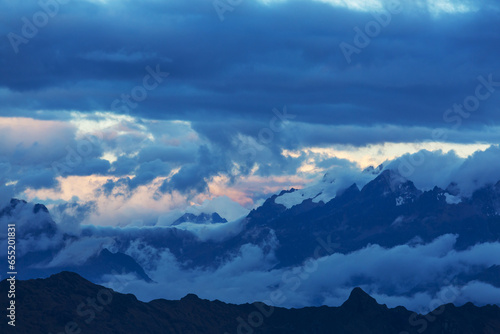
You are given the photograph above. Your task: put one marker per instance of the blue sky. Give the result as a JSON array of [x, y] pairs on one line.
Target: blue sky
[[150, 107]]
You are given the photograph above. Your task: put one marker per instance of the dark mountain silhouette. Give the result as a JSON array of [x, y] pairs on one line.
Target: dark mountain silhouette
[[66, 302], [103, 263]]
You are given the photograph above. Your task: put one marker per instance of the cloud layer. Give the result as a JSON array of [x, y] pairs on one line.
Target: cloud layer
[[388, 274]]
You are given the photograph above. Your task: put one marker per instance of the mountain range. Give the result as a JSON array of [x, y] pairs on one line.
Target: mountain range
[[67, 303], [288, 228]]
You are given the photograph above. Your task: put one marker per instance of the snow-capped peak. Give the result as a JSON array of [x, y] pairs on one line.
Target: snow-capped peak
[[326, 188]]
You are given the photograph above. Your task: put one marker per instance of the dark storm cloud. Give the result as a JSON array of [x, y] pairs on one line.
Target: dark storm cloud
[[226, 77], [37, 180], [123, 166], [193, 176], [148, 171], [259, 57], [92, 167], [177, 155]]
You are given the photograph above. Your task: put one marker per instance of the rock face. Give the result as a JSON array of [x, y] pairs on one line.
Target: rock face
[[387, 211], [35, 224], [203, 218], [66, 302]]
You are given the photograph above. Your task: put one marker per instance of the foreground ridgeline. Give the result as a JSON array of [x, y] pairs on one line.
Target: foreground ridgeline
[[67, 303]]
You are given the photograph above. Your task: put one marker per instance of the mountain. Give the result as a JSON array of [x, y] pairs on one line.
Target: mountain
[[35, 219], [66, 302], [34, 225], [34, 264], [490, 275], [388, 211], [202, 218]]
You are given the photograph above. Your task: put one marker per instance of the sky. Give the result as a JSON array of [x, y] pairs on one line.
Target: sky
[[126, 114], [146, 109]]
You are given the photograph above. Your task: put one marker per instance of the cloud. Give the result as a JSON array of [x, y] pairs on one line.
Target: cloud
[[205, 122], [120, 56], [217, 232], [92, 167], [223, 205], [70, 215], [35, 229], [200, 134], [249, 274], [148, 171], [77, 252], [226, 77], [428, 169], [194, 176], [178, 155], [123, 166], [479, 170], [389, 274]]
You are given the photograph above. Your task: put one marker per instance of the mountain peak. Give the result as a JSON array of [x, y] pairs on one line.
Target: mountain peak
[[349, 192], [358, 294], [286, 191], [190, 297], [328, 178], [15, 201], [359, 300], [391, 184], [387, 181], [64, 292], [11, 206], [372, 170], [202, 218], [40, 207], [67, 276]]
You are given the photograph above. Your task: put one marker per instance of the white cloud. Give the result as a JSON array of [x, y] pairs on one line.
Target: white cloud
[[435, 7], [214, 232], [223, 205], [386, 273], [77, 252], [428, 169]]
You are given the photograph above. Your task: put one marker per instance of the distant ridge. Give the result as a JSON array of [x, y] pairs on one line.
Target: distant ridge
[[68, 300]]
